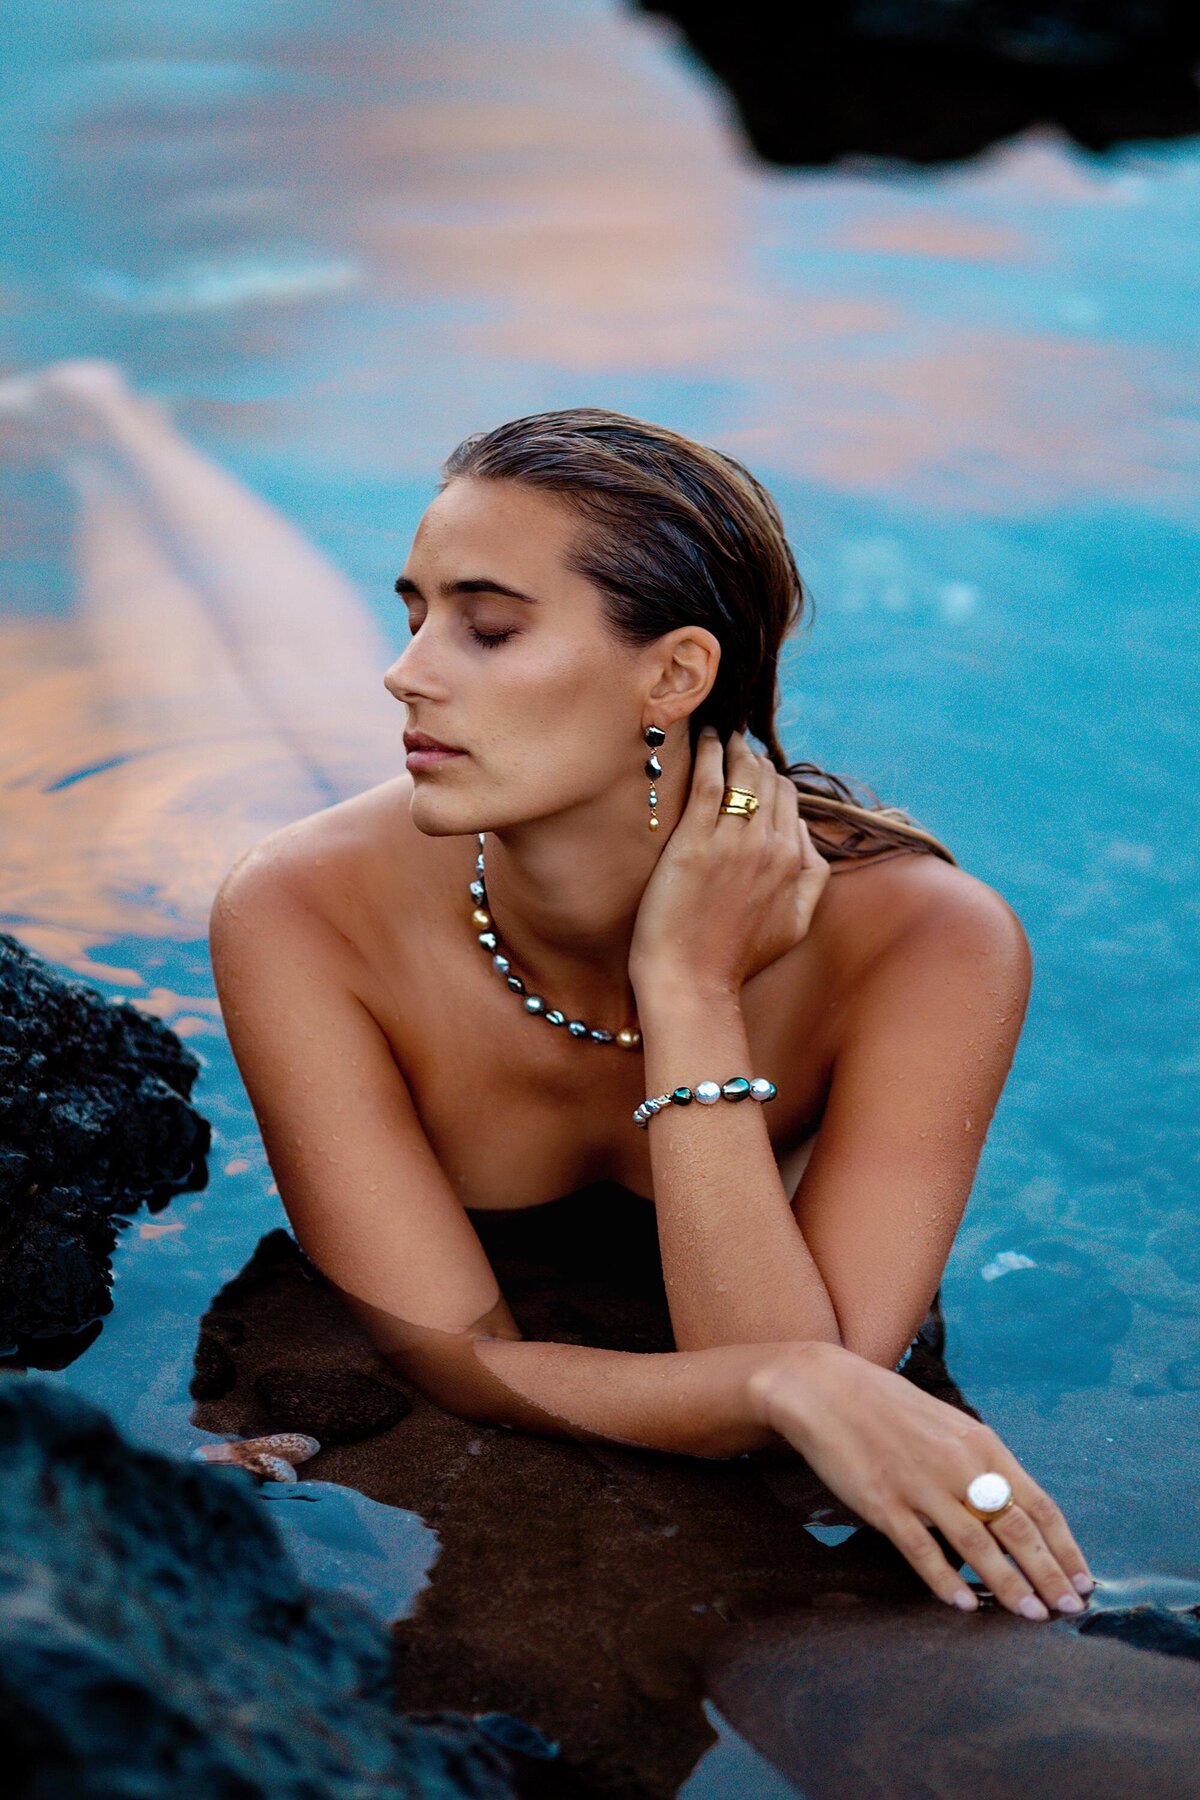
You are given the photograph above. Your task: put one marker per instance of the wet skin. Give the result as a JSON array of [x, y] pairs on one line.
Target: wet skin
[[400, 1085]]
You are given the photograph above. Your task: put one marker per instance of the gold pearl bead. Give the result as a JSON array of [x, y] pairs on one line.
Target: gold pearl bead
[[481, 917], [653, 823], [628, 1038]]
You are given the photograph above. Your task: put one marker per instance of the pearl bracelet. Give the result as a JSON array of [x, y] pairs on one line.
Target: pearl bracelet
[[707, 1093]]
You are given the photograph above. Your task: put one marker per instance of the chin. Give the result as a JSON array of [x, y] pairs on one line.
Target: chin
[[438, 815]]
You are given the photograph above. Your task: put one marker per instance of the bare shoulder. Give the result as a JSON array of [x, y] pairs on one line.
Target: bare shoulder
[[334, 864], [921, 906]]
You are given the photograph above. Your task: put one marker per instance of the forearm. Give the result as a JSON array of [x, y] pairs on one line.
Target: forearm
[[735, 1264], [703, 1402]]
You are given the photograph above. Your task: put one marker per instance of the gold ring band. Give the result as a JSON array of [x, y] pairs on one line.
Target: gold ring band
[[742, 803], [987, 1517]]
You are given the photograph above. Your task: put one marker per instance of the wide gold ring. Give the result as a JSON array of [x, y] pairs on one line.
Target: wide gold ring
[[742, 803], [988, 1496]]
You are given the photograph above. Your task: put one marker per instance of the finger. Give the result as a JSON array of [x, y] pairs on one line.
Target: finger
[[1030, 1551], [785, 815], [976, 1544], [783, 812], [708, 774], [1054, 1528], [743, 768], [1045, 1515], [918, 1547], [741, 763], [811, 855]]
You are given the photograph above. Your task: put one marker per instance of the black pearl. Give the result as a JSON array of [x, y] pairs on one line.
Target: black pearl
[[654, 735], [736, 1089], [682, 1096], [488, 939], [555, 1017], [515, 983], [652, 766]]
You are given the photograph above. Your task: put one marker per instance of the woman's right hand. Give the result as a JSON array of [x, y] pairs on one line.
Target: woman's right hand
[[903, 1460]]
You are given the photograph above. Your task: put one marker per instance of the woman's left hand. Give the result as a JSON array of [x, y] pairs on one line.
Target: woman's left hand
[[728, 896]]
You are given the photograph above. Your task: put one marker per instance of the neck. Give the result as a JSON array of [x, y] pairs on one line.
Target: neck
[[564, 894]]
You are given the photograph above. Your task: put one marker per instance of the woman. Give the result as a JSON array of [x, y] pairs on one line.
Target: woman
[[589, 940]]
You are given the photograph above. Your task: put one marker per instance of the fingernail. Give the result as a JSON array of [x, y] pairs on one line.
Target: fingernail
[[1032, 1607], [708, 731], [965, 1598], [1069, 1603], [1084, 1583]]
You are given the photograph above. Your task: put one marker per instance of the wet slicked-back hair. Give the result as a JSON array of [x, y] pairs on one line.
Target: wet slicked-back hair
[[673, 533]]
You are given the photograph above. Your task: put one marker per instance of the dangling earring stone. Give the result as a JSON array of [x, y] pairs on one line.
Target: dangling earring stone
[[654, 735]]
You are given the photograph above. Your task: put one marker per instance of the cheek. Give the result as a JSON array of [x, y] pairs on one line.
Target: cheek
[[556, 689]]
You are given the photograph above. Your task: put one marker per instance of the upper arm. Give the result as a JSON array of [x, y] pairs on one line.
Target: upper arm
[[366, 1196], [926, 1045]]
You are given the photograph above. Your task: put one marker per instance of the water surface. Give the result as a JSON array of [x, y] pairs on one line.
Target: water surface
[[332, 243]]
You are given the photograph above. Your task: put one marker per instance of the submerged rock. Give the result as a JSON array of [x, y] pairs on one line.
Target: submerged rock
[[1151, 1628], [577, 1585], [94, 1123], [600, 1591], [155, 1638], [922, 1701]]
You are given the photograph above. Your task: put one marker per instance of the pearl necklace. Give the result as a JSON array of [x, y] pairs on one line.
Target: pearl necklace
[[629, 1037]]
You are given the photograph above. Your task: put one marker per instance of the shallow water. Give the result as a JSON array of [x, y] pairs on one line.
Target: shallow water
[[332, 244]]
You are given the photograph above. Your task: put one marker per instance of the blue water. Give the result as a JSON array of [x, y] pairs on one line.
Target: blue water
[[333, 241]]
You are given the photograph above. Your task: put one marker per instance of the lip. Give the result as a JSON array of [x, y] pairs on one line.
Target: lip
[[421, 740], [422, 757]]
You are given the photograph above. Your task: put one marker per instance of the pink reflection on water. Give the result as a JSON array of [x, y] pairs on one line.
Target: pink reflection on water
[[216, 679], [925, 232]]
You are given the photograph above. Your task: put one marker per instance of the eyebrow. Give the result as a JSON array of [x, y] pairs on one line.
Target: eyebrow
[[477, 584]]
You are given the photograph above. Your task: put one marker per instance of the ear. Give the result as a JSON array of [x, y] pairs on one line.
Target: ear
[[686, 662]]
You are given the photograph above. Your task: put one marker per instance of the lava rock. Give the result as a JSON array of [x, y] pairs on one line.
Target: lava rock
[[338, 1406], [1150, 1628], [155, 1637], [927, 82], [95, 1121], [214, 1371]]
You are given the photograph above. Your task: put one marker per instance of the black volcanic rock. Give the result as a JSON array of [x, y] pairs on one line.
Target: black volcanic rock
[[1151, 1628], [338, 1406], [94, 1123], [929, 82], [601, 1591], [155, 1638]]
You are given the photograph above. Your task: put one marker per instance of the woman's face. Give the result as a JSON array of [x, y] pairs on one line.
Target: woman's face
[[551, 713]]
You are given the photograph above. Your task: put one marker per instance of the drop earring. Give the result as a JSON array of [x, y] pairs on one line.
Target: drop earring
[[654, 736]]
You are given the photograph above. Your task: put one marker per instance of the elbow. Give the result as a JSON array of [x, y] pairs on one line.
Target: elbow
[[455, 1377]]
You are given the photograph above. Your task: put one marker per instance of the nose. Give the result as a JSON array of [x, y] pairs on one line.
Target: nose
[[398, 678], [391, 680]]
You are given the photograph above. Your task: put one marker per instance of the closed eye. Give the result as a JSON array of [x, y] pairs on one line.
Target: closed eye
[[492, 638], [489, 639]]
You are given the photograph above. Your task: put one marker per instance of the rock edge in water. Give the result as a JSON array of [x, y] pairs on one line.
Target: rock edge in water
[[155, 1637], [94, 1122]]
